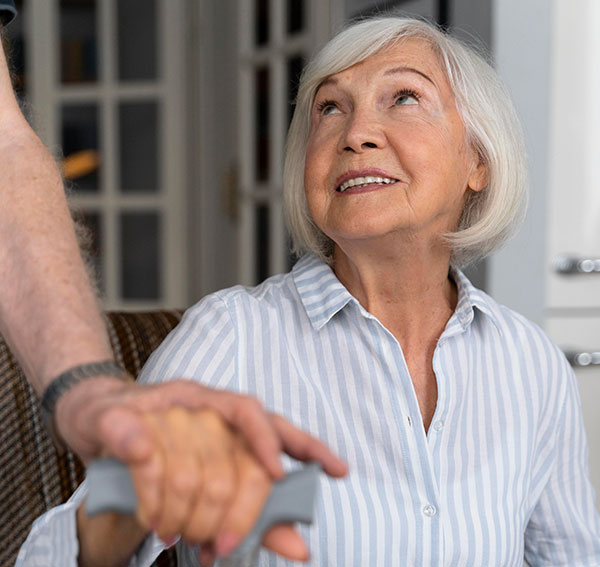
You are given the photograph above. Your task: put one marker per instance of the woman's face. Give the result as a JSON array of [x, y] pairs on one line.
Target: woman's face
[[387, 150]]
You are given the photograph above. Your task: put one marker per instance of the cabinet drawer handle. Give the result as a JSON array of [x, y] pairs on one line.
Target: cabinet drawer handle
[[572, 265], [581, 359]]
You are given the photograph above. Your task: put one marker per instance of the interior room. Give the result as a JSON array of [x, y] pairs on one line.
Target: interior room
[[169, 118]]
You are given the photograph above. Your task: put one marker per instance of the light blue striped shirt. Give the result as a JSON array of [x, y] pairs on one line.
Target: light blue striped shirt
[[499, 479]]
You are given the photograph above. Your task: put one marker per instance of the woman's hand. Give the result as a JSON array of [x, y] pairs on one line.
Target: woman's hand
[[205, 484], [202, 482]]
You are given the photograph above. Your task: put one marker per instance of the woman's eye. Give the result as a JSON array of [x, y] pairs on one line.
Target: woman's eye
[[327, 107], [405, 99]]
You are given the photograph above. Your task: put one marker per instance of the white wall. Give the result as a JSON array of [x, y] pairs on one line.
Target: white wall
[[521, 44]]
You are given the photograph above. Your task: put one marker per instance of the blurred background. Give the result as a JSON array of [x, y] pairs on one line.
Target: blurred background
[[169, 117]]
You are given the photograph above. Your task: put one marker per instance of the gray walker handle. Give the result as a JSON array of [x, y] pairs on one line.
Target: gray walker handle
[[291, 499]]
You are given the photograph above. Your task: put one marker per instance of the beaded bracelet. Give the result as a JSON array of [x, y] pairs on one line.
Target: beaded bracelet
[[67, 380]]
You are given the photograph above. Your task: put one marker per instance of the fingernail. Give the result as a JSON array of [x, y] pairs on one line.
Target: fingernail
[[226, 543], [170, 541], [206, 557], [152, 525]]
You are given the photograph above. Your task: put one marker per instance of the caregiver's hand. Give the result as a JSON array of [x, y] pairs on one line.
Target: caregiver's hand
[[103, 417]]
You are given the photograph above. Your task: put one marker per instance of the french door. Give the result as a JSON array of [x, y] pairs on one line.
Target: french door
[[105, 80], [275, 39]]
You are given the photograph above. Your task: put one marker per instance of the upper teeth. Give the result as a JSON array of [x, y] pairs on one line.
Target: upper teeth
[[358, 181]]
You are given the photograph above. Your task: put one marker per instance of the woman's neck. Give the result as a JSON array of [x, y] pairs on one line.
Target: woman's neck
[[407, 289]]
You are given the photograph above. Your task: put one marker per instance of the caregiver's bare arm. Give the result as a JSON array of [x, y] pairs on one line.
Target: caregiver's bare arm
[[50, 318], [48, 311]]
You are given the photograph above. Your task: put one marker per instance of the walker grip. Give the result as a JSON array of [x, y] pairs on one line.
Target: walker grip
[[291, 499]]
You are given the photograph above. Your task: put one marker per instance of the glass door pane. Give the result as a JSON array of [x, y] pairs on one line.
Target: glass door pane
[[82, 160], [140, 256], [78, 49], [295, 64], [262, 132], [137, 40], [261, 22], [139, 147], [262, 239], [295, 16]]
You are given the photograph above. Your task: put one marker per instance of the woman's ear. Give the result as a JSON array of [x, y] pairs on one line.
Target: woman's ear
[[478, 178]]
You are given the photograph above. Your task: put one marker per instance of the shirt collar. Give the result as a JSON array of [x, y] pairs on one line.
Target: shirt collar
[[469, 299], [323, 295]]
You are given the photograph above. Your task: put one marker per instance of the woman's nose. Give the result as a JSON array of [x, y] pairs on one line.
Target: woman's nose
[[363, 132]]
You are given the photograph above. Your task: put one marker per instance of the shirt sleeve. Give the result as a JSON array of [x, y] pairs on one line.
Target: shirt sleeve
[[564, 529], [53, 538], [201, 348]]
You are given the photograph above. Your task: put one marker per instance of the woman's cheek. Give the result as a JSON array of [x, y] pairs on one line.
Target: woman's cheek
[[316, 164], [315, 199]]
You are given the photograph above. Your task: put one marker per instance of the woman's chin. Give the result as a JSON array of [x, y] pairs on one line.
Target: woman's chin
[[369, 238]]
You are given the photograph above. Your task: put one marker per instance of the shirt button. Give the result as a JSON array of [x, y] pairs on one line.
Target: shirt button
[[438, 425], [429, 510]]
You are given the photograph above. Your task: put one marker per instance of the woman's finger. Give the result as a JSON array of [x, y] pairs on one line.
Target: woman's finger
[[284, 540], [253, 488], [183, 473], [247, 415], [215, 450], [305, 447], [148, 478]]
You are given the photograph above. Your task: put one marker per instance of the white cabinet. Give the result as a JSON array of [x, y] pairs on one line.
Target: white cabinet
[[579, 333], [573, 300]]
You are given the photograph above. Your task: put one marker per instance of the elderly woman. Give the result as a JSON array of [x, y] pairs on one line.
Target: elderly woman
[[458, 418]]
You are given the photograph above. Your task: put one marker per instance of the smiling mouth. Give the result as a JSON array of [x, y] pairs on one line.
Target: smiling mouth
[[364, 181]]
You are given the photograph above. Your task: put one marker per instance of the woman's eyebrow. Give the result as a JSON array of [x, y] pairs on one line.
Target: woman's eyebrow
[[403, 69], [328, 81], [331, 80]]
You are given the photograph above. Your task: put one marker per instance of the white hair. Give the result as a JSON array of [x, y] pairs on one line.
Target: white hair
[[489, 216]]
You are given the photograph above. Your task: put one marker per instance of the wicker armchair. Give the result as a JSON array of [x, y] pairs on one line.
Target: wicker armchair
[[33, 476]]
